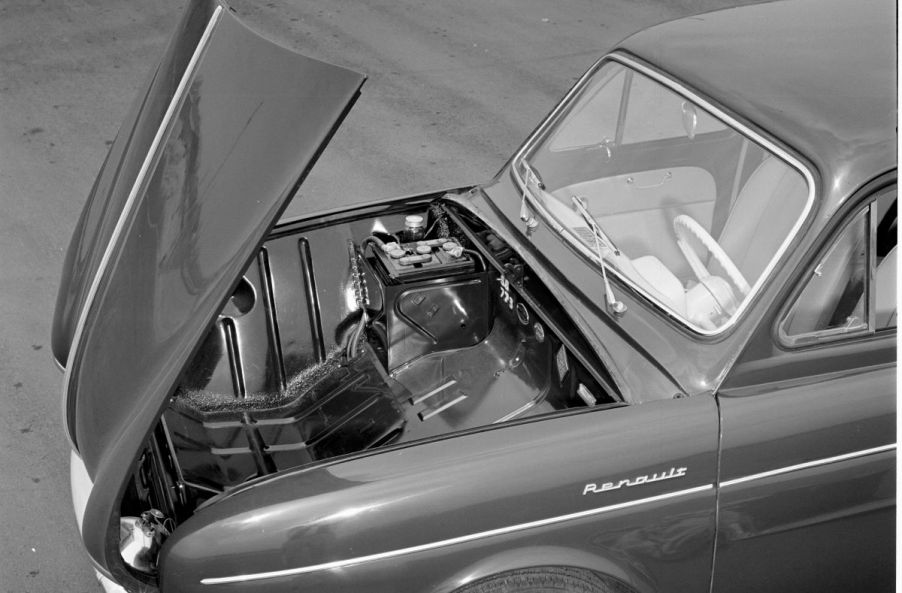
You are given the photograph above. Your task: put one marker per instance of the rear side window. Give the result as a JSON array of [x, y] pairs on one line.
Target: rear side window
[[852, 289]]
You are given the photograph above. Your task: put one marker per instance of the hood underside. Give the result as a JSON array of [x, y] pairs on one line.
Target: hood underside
[[216, 144]]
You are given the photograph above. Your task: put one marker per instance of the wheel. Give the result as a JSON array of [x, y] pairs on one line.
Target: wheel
[[684, 226], [545, 579]]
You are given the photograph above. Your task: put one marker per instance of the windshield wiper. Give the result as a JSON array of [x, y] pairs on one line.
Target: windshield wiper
[[614, 306], [580, 204]]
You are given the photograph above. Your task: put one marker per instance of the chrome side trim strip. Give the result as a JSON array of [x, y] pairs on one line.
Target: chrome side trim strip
[[452, 541], [807, 465], [127, 210]]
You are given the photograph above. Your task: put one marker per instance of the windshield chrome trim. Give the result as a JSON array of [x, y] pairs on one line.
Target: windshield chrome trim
[[808, 465], [243, 578], [116, 236], [744, 129]]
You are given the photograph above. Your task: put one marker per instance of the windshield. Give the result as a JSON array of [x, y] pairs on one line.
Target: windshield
[[691, 211]]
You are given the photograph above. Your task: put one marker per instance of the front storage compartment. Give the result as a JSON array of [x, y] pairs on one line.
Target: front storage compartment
[[348, 333]]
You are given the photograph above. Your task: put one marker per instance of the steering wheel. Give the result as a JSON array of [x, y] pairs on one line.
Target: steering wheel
[[684, 226]]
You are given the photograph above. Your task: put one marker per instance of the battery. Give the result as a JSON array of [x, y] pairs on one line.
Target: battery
[[419, 261]]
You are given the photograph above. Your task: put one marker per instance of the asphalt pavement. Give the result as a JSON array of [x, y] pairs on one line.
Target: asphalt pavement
[[454, 88]]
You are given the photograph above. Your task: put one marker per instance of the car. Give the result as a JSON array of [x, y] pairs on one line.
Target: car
[[656, 352]]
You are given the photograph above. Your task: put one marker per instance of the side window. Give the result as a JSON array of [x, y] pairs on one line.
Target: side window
[[852, 290], [887, 265]]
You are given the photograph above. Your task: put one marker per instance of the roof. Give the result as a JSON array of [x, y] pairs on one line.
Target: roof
[[817, 75]]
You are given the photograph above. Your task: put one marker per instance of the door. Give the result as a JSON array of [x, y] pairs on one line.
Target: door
[[807, 484]]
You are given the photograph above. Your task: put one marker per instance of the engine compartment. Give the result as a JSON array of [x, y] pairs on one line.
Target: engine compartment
[[348, 333]]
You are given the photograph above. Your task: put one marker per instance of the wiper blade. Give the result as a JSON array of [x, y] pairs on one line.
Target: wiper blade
[[614, 306]]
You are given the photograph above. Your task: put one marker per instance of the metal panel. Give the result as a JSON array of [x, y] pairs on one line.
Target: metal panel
[[218, 174]]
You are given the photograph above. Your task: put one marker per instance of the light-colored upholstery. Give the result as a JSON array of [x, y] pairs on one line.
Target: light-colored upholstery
[[765, 210], [885, 297]]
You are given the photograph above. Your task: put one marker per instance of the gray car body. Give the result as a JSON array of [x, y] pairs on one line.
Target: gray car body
[[739, 461]]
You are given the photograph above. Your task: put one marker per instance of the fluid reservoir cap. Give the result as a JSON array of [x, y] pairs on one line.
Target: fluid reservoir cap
[[413, 221], [424, 249], [397, 253]]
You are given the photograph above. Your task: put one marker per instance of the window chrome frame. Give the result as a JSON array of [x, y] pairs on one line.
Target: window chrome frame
[[685, 92], [830, 336]]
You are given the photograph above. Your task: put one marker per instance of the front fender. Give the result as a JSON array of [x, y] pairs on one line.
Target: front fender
[[438, 512]]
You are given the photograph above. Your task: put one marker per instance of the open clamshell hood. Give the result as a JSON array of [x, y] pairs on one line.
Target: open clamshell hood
[[212, 150]]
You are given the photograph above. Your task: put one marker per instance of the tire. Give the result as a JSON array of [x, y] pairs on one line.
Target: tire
[[546, 579]]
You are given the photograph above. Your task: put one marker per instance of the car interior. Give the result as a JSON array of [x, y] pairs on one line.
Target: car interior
[[694, 211]]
